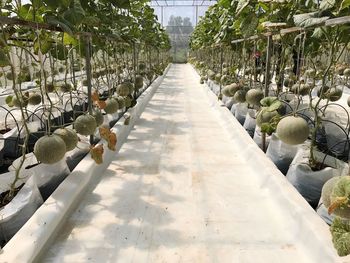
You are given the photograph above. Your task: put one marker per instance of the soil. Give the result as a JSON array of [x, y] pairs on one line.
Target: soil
[[4, 200], [318, 166], [3, 131]]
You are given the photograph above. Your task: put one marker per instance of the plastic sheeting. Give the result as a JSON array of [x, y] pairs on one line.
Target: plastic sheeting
[[190, 185]]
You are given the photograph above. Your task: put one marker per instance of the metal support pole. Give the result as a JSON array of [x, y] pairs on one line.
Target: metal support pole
[[72, 67], [196, 14], [88, 76], [268, 65], [221, 62]]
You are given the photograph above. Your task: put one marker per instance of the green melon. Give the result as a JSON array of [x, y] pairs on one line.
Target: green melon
[[218, 77], [49, 149], [69, 136], [288, 83], [34, 98], [98, 117], [240, 96], [66, 87], [335, 94], [50, 87], [226, 91], [85, 125], [233, 88], [111, 106], [254, 96], [21, 102], [310, 73], [293, 130], [347, 72]]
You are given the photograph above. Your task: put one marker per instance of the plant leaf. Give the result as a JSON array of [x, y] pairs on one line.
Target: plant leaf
[[97, 153]]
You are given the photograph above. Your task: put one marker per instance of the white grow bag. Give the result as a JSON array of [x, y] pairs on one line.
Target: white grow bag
[[309, 183], [16, 213], [280, 153], [250, 122], [241, 110]]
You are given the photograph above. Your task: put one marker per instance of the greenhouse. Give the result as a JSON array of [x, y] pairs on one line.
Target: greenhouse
[[175, 131]]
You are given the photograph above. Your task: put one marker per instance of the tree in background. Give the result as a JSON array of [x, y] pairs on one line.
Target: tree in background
[[179, 30]]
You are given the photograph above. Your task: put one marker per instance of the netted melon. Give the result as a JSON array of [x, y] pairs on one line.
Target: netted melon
[[128, 101], [233, 88], [34, 98], [69, 136], [218, 77], [85, 124], [254, 96], [327, 190], [49, 149], [121, 101], [341, 192], [226, 91], [211, 74], [9, 76], [98, 117], [142, 66], [112, 106], [240, 96], [124, 89], [293, 130]]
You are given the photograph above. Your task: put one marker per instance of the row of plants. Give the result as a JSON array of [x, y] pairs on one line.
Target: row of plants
[[70, 70], [284, 72]]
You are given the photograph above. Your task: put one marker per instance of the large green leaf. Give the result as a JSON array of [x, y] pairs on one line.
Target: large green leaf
[[241, 5], [75, 14], [327, 4], [309, 19], [345, 4]]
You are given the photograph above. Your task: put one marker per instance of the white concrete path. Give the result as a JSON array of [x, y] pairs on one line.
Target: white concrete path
[[180, 190]]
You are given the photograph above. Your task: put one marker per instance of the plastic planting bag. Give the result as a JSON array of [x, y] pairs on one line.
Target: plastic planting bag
[[241, 112], [322, 211], [250, 122], [309, 183], [16, 213], [280, 153], [233, 109], [258, 138], [229, 103], [336, 135], [47, 176]]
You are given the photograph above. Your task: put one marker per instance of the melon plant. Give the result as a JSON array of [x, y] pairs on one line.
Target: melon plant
[[34, 98], [85, 125], [97, 114], [111, 106], [69, 136], [21, 101], [293, 130], [254, 96], [49, 149]]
